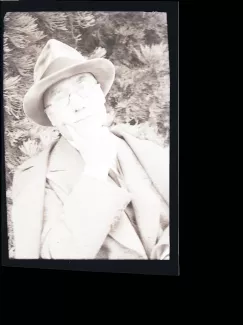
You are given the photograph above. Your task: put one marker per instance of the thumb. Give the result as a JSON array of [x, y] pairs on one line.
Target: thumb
[[79, 141]]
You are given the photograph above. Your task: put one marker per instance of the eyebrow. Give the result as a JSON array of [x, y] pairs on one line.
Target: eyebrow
[[54, 91], [82, 79]]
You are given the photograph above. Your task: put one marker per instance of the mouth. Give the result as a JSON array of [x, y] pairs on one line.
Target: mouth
[[83, 118]]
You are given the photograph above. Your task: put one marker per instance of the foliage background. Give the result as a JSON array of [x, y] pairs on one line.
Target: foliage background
[[136, 43]]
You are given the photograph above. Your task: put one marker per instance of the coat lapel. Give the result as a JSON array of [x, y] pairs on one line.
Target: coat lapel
[[154, 159], [145, 200], [65, 165]]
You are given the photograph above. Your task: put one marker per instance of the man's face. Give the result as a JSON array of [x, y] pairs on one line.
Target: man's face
[[77, 101]]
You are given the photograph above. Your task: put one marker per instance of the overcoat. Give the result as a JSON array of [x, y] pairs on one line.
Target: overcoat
[[91, 212]]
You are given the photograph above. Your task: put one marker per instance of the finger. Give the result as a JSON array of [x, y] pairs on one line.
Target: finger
[[77, 139]]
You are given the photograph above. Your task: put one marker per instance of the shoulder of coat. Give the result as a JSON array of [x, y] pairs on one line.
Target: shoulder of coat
[[27, 163], [141, 132], [30, 162]]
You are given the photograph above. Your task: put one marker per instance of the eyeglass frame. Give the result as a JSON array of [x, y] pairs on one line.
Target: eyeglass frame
[[69, 95]]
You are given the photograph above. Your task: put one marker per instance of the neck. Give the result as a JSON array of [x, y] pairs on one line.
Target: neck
[[88, 137]]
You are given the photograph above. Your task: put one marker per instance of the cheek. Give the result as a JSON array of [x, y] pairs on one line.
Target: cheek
[[99, 113]]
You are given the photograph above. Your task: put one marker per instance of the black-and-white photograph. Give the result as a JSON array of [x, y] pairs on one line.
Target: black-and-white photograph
[[87, 135]]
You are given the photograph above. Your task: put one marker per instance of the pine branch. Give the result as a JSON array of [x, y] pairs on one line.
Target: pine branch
[[53, 20], [30, 148], [22, 30], [25, 66], [84, 19], [99, 52], [155, 20], [75, 37], [12, 103]]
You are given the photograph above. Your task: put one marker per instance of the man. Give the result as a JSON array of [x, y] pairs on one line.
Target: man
[[95, 193]]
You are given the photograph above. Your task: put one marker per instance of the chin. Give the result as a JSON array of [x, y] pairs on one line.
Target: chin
[[91, 123]]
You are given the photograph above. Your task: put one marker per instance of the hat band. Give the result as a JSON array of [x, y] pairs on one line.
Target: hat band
[[60, 64]]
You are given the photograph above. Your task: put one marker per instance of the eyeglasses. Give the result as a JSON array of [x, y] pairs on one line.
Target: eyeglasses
[[87, 98], [87, 95]]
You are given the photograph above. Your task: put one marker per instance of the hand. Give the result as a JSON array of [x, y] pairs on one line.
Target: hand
[[98, 149]]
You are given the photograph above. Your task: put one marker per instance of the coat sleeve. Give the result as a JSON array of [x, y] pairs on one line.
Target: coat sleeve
[[86, 219]]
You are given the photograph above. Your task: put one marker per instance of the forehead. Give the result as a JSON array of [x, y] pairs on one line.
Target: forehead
[[82, 78]]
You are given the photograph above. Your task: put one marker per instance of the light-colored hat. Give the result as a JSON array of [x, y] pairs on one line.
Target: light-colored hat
[[58, 61]]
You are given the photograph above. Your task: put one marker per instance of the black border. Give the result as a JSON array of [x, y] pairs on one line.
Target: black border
[[170, 267]]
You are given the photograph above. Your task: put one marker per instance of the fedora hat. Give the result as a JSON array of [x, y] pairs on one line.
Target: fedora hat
[[59, 61]]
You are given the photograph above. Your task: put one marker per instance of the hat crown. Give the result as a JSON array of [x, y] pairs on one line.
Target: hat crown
[[52, 51]]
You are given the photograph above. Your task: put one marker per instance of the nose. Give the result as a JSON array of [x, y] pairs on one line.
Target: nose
[[74, 101], [76, 110]]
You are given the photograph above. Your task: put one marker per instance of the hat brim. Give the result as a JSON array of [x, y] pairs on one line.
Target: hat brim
[[102, 69]]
